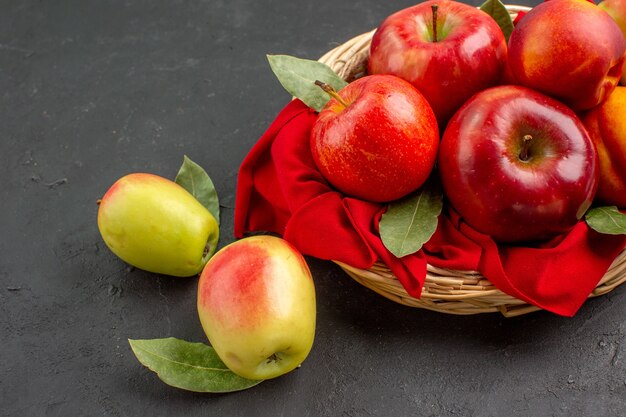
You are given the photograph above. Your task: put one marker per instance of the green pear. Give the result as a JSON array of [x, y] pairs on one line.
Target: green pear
[[156, 225]]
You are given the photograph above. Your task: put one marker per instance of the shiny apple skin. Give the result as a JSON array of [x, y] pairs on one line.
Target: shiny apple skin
[[606, 125], [469, 56], [256, 304], [569, 49], [382, 146], [497, 193]]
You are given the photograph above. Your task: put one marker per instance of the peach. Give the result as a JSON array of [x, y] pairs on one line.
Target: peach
[[617, 10], [606, 125], [569, 49]]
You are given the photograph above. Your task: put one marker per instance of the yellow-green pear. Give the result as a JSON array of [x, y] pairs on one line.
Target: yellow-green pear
[[156, 225]]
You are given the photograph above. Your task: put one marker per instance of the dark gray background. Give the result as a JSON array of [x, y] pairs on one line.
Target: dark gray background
[[93, 90]]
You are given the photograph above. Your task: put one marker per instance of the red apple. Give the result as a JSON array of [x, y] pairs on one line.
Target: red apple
[[256, 303], [617, 10], [518, 165], [377, 140], [606, 125], [569, 49], [466, 55]]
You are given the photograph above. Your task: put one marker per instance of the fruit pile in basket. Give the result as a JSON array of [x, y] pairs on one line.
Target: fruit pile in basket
[[529, 131], [463, 142], [471, 141]]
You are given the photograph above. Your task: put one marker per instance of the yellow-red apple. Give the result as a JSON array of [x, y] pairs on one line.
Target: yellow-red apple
[[569, 49], [156, 225], [256, 303], [606, 125], [376, 140]]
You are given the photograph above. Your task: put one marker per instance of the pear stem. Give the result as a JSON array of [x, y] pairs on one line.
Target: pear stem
[[523, 154], [328, 89], [434, 8]]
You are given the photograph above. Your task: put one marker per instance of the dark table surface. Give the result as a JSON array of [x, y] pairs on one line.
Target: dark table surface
[[93, 90]]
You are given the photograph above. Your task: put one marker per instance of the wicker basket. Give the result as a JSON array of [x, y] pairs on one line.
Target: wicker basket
[[445, 290]]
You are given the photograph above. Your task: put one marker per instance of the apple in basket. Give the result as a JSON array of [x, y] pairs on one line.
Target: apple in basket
[[518, 165], [569, 49], [376, 139], [606, 125], [617, 10], [256, 303], [448, 50]]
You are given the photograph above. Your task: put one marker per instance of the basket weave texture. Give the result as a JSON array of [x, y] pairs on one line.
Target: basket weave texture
[[445, 290]]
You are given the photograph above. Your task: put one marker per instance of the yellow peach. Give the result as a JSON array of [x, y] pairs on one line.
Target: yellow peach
[[606, 125]]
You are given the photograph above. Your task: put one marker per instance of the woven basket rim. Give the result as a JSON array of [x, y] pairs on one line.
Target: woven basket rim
[[445, 290]]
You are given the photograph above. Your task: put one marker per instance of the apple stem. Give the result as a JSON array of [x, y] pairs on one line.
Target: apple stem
[[98, 201], [434, 8], [328, 89], [523, 154]]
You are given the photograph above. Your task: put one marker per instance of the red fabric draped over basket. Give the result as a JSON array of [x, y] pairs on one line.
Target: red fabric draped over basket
[[280, 190]]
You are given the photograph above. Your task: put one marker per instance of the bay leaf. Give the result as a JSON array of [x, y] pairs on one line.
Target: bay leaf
[[497, 10], [607, 220], [298, 77], [410, 222], [189, 366], [193, 178]]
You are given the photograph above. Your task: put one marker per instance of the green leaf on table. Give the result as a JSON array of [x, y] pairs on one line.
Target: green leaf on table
[[499, 13], [298, 77], [410, 222], [193, 178], [607, 220], [190, 366]]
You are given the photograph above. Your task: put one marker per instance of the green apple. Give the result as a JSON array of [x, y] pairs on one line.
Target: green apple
[[617, 10], [256, 303], [154, 224]]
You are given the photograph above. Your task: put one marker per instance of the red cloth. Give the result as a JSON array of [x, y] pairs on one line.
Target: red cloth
[[280, 190], [519, 16]]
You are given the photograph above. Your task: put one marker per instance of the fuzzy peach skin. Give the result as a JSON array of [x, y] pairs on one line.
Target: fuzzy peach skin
[[617, 10], [606, 125], [569, 49], [256, 303]]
